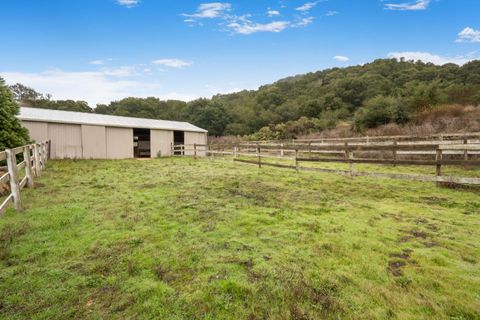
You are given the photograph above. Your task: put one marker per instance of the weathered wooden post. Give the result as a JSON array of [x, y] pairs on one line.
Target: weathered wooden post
[[282, 151], [195, 151], [309, 149], [438, 160], [42, 154], [347, 157], [465, 152], [28, 166], [297, 168], [49, 149], [395, 153], [259, 157], [36, 151], [14, 184], [235, 150]]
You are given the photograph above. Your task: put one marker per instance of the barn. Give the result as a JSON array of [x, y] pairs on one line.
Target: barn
[[77, 135]]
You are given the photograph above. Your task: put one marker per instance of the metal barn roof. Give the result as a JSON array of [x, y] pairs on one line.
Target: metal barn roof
[[57, 116]]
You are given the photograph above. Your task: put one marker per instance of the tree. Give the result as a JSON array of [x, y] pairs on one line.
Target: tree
[[26, 95], [12, 134]]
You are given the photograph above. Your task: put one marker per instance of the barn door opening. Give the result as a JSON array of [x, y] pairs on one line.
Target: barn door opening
[[179, 139], [141, 143]]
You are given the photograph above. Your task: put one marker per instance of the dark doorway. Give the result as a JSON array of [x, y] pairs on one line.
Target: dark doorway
[[141, 143], [179, 139]]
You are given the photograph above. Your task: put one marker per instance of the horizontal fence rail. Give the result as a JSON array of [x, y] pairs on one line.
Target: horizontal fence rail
[[35, 157], [447, 150]]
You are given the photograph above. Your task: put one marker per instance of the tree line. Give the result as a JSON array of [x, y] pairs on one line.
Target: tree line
[[383, 91]]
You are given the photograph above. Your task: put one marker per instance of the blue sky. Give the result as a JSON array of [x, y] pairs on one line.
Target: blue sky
[[103, 50]]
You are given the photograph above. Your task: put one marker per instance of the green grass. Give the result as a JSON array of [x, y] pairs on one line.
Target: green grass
[[185, 239]]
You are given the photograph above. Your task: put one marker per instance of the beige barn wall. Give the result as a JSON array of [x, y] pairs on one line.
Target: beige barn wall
[[38, 130], [66, 140], [119, 143], [161, 143], [94, 142], [198, 138]]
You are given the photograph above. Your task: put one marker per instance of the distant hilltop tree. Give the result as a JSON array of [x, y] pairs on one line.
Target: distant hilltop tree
[[29, 97]]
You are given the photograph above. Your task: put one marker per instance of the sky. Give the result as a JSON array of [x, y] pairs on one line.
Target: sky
[[104, 50]]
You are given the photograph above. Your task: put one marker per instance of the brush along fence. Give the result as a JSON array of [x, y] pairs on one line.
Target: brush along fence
[[432, 138], [447, 153], [29, 160]]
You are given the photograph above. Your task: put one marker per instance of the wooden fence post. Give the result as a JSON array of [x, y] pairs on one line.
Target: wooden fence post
[[49, 149], [37, 159], [395, 153], [465, 152], [235, 150], [438, 160], [297, 168], [347, 157], [14, 185], [259, 157], [195, 151], [42, 154], [28, 166], [310, 149]]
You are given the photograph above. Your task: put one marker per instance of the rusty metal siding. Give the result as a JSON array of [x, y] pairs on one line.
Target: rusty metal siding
[[66, 140], [119, 143], [161, 143], [198, 138], [38, 130], [94, 142]]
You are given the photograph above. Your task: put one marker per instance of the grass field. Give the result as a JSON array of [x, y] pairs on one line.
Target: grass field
[[185, 239]]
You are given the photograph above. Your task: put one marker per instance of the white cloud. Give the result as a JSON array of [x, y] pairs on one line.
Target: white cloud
[[341, 58], [242, 25], [304, 22], [210, 10], [469, 35], [128, 3], [432, 58], [332, 13], [307, 6], [97, 62], [173, 63], [272, 13], [415, 5], [91, 86], [245, 24]]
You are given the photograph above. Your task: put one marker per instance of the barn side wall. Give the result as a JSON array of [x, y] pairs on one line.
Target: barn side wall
[[94, 142], [119, 143], [161, 143], [66, 141], [38, 130], [198, 138]]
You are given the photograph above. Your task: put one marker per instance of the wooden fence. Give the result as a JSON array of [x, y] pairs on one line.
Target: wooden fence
[[463, 152], [33, 160]]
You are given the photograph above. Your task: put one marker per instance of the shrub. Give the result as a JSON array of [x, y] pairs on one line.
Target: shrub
[[379, 111]]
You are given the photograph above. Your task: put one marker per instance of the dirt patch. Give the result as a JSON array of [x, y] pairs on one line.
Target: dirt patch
[[400, 260], [395, 267]]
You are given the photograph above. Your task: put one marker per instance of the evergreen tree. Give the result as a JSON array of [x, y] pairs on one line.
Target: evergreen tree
[[12, 134]]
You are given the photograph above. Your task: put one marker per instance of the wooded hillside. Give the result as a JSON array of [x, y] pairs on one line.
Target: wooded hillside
[[381, 92]]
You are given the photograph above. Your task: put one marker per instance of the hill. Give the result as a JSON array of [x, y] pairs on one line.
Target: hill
[[384, 91]]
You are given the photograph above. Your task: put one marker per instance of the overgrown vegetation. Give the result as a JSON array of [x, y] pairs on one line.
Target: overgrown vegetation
[[377, 93], [185, 239]]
